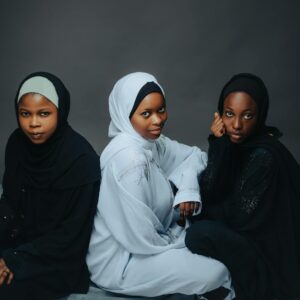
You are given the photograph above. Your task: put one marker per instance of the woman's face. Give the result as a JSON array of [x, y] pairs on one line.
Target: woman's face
[[37, 117], [150, 116], [239, 116]]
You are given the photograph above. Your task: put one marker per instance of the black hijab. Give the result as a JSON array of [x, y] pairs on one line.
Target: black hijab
[[65, 160], [279, 238], [256, 89], [148, 88]]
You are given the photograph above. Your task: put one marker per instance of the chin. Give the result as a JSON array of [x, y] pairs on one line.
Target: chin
[[236, 141], [153, 137], [37, 142]]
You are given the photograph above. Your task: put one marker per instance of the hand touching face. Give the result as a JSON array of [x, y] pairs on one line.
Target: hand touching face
[[217, 126]]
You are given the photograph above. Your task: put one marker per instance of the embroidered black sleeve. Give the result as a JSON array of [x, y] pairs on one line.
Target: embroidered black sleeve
[[254, 180]]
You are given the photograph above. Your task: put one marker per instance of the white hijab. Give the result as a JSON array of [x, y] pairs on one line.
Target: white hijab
[[121, 101]]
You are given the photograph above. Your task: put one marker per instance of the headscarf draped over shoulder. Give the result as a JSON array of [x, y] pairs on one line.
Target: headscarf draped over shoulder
[[122, 99], [65, 160]]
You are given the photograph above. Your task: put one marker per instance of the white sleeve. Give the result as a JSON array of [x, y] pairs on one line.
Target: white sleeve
[[124, 199], [183, 165]]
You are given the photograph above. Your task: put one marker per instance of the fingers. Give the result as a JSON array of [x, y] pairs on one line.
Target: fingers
[[3, 268], [3, 277], [187, 209], [10, 278], [216, 116], [217, 127], [182, 211], [5, 273], [191, 209]]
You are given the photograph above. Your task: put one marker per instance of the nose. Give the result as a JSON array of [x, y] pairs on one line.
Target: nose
[[237, 123], [156, 119], [34, 121]]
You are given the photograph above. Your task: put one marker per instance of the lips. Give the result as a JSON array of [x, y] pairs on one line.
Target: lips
[[156, 130], [236, 135], [36, 135]]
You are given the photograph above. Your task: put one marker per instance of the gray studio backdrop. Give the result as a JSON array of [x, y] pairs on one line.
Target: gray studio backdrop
[[192, 47]]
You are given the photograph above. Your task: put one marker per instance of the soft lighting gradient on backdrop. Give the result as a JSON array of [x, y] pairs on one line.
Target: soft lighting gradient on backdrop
[[192, 47]]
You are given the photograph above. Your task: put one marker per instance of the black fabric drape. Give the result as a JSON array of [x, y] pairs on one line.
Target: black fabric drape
[[52, 190], [251, 195], [257, 199]]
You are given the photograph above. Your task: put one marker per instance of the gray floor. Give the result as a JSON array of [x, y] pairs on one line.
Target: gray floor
[[98, 294]]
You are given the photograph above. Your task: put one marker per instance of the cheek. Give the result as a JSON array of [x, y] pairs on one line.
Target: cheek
[[53, 127], [50, 125], [226, 123], [138, 125], [251, 127], [53, 121], [23, 123], [165, 117]]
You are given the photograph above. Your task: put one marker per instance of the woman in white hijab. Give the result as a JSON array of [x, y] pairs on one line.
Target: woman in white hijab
[[137, 247]]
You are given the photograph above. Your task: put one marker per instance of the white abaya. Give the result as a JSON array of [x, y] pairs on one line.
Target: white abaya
[[136, 247]]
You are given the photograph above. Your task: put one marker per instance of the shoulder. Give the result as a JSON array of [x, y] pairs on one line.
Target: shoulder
[[80, 151], [260, 160], [266, 148], [124, 150], [77, 141], [260, 154], [165, 145], [130, 162], [14, 139], [130, 158], [81, 162], [14, 145]]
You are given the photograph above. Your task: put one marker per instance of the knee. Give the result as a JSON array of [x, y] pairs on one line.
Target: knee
[[198, 236], [217, 275]]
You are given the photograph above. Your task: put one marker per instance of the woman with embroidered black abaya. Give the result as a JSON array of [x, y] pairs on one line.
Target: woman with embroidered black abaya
[[250, 193], [50, 192]]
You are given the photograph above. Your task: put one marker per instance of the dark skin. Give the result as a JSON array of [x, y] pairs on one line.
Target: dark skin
[[239, 118], [6, 276], [187, 210]]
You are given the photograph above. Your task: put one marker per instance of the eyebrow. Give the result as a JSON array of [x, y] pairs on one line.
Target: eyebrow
[[247, 109], [42, 108], [155, 108]]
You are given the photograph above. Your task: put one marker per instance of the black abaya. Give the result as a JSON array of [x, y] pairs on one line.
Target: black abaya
[[52, 189], [255, 205]]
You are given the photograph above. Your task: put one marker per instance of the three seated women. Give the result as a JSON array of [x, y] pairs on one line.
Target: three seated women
[[244, 238]]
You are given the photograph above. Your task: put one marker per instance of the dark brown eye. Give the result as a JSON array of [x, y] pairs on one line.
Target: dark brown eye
[[248, 116], [24, 114], [44, 113], [228, 114], [145, 114]]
